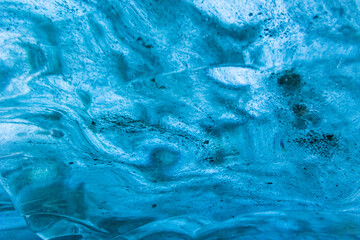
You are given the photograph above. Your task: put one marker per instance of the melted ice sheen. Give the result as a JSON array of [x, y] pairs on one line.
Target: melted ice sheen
[[174, 119]]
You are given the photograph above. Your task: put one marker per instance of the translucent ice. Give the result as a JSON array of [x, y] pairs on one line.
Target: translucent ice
[[179, 119]]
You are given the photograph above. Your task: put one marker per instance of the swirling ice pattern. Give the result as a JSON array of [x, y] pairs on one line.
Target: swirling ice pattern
[[180, 119]]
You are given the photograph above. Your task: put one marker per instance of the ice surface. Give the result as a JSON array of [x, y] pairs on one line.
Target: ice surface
[[179, 119]]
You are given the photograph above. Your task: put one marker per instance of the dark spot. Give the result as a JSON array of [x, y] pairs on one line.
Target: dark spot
[[269, 183], [71, 163], [299, 109], [250, 14], [289, 80], [210, 159], [57, 134], [148, 46], [162, 87], [206, 142], [93, 123], [152, 80], [139, 39], [315, 17], [153, 206], [282, 144], [330, 137], [323, 144]]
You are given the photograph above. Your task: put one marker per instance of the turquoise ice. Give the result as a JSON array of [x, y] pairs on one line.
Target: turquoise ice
[[179, 119]]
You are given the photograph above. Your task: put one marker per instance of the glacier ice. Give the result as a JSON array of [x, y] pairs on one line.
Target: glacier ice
[[179, 119]]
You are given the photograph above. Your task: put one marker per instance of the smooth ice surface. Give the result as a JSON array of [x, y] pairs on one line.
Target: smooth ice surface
[[179, 119]]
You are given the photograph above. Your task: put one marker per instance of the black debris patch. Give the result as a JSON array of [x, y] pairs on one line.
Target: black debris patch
[[289, 80], [143, 43], [156, 84], [210, 159], [320, 143], [299, 109]]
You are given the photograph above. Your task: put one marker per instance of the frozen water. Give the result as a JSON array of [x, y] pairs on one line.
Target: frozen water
[[179, 119]]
